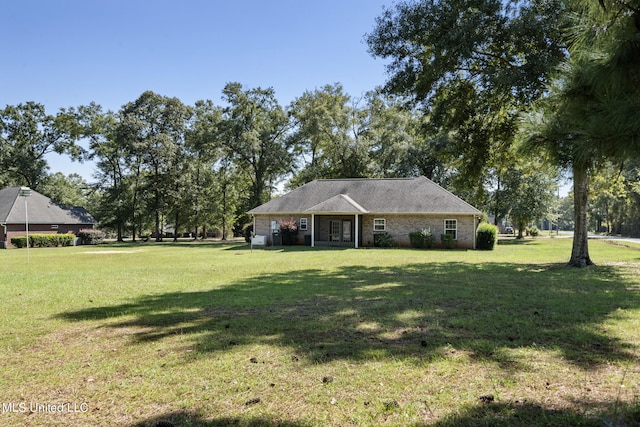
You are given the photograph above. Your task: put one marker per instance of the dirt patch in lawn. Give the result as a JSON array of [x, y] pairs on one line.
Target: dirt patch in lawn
[[132, 251]]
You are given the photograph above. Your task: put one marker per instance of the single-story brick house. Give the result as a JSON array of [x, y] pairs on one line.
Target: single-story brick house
[[44, 215], [349, 212]]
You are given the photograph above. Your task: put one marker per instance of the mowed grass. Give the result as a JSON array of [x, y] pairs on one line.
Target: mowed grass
[[216, 334]]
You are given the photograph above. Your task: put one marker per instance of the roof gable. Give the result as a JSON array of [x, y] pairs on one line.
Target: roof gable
[[380, 196], [340, 203], [41, 209]]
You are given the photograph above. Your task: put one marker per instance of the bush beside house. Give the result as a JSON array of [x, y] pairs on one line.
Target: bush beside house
[[421, 239], [382, 240], [90, 236], [289, 230], [448, 241], [486, 236]]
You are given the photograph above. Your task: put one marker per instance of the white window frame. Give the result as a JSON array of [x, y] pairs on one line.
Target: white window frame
[[379, 221], [275, 226], [303, 224], [451, 228]]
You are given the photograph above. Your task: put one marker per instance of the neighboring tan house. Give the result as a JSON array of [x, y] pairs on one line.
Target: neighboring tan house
[[349, 212], [44, 216]]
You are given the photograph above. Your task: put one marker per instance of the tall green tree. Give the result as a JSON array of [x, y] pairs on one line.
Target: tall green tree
[[473, 65], [590, 114], [253, 133], [609, 199], [154, 127], [28, 134], [529, 191], [327, 132], [631, 173], [114, 209], [203, 144], [67, 190], [399, 146]]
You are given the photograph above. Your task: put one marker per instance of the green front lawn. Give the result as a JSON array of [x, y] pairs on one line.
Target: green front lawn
[[213, 334]]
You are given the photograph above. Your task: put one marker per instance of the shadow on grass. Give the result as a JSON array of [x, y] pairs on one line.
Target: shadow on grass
[[516, 241], [414, 311], [186, 243], [489, 415], [531, 415], [180, 419]]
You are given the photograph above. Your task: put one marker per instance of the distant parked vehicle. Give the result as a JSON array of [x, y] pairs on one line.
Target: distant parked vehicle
[[508, 230]]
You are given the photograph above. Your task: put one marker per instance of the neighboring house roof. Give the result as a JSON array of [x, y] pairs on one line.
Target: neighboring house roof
[[361, 196], [41, 210]]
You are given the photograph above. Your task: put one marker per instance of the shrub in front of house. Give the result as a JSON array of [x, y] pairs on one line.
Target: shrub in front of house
[[43, 240], [382, 240], [19, 242], [447, 241], [415, 238], [421, 239], [247, 230], [90, 236], [486, 236], [289, 230]]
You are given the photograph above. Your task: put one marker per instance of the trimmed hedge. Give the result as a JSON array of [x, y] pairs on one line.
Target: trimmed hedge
[[486, 236], [382, 240], [90, 236], [421, 239], [447, 240], [44, 240]]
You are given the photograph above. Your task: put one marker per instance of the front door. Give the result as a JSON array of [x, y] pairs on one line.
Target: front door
[[346, 230], [340, 231], [335, 228]]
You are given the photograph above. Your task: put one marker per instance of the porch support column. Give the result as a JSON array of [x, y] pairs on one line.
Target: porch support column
[[356, 231], [475, 230], [313, 230]]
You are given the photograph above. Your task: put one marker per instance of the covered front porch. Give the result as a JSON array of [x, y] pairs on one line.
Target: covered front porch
[[336, 230], [337, 222]]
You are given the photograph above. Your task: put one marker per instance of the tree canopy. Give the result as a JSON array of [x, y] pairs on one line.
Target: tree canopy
[[473, 66], [590, 113], [28, 134]]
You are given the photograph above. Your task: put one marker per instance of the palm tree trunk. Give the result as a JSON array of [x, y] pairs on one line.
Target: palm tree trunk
[[580, 251]]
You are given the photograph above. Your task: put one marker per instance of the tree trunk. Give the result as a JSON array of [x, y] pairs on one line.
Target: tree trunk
[[197, 203], [157, 215], [135, 201], [580, 251], [175, 227], [497, 203], [224, 211]]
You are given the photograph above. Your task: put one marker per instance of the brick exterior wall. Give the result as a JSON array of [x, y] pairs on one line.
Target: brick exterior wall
[[263, 226], [398, 226]]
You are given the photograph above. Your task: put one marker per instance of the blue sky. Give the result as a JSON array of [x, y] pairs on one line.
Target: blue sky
[[67, 53]]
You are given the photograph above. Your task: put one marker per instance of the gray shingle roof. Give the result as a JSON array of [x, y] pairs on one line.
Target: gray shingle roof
[[339, 203], [41, 209], [397, 195]]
